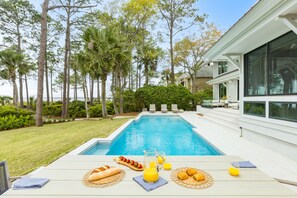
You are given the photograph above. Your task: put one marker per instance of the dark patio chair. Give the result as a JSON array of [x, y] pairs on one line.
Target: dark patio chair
[[4, 177]]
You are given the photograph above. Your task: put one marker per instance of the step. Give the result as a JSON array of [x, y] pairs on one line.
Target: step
[[223, 117], [231, 113], [233, 125], [229, 128]]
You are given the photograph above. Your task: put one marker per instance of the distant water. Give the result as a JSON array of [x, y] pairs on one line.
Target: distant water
[[59, 98]]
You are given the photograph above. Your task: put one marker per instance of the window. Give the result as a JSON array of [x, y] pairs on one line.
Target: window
[[254, 108], [222, 91], [223, 67], [283, 65], [272, 68], [283, 111], [255, 72]]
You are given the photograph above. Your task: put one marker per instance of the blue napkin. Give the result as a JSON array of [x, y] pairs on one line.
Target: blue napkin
[[243, 164], [149, 186], [29, 182]]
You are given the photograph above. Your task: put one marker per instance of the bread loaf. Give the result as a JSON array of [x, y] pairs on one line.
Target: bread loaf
[[103, 174], [100, 169]]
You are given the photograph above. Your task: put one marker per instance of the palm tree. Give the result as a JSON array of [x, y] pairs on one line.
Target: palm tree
[[81, 62], [9, 60], [149, 56], [102, 48], [165, 76], [5, 100]]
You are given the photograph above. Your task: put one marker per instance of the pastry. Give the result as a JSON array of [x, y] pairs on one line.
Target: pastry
[[182, 175], [103, 174], [199, 176], [191, 171]]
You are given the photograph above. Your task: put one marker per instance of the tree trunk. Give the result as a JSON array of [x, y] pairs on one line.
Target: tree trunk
[[21, 90], [15, 92], [86, 98], [136, 77], [52, 95], [172, 76], [103, 95], [193, 77], [19, 67], [139, 78], [75, 84], [41, 63], [68, 81], [46, 77], [122, 95], [98, 89], [146, 72], [91, 90], [27, 92], [67, 43], [114, 95]]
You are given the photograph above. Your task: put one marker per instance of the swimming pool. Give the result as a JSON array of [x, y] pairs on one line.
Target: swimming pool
[[170, 134]]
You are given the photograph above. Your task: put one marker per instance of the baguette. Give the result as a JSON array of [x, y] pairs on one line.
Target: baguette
[[103, 174], [100, 169]]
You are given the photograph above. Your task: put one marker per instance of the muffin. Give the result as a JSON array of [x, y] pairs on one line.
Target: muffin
[[199, 176], [182, 175], [191, 171]]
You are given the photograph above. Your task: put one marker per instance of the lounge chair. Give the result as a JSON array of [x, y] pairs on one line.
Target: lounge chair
[[174, 108], [152, 108], [164, 108]]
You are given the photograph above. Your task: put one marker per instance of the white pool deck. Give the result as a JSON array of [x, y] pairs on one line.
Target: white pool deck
[[66, 173]]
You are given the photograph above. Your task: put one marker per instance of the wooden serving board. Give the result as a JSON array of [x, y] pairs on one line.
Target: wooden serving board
[[128, 165]]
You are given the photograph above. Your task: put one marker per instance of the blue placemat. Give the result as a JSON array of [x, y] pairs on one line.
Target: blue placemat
[[29, 182], [243, 164], [149, 186]]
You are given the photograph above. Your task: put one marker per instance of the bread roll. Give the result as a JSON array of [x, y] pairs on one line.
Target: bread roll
[[182, 175], [191, 171], [103, 174], [199, 176]]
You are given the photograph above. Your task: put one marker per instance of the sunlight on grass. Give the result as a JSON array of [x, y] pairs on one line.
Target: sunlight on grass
[[29, 148]]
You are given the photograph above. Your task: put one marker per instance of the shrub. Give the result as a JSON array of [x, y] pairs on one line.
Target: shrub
[[13, 122], [11, 110], [95, 111], [129, 101], [53, 110], [203, 94], [173, 94], [77, 109]]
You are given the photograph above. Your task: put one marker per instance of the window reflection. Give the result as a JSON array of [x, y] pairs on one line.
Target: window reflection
[[283, 65]]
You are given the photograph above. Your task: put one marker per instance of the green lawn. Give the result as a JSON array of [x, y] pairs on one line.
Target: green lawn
[[29, 148]]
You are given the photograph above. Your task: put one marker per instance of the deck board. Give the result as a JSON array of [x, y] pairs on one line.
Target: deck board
[[66, 174]]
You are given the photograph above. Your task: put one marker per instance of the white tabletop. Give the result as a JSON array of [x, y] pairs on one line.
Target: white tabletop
[[66, 175]]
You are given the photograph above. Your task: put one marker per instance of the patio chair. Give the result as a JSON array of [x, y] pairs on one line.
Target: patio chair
[[174, 108], [152, 108], [164, 108], [4, 177]]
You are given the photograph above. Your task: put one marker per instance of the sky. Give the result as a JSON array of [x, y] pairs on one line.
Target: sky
[[223, 13]]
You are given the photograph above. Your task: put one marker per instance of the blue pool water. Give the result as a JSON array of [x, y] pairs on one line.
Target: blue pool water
[[171, 134]]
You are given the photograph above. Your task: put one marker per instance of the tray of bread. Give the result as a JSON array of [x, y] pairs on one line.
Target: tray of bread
[[134, 165], [191, 178], [103, 176]]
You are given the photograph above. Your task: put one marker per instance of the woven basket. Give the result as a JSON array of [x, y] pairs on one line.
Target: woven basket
[[191, 182], [108, 181]]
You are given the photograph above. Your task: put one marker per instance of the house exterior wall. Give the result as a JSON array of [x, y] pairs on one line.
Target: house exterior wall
[[201, 83], [231, 84], [258, 27]]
